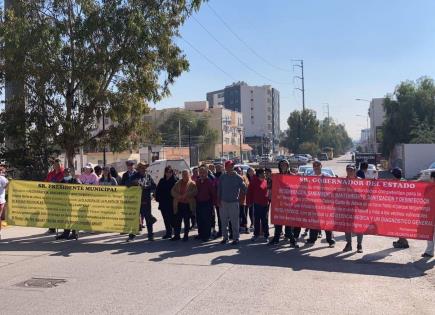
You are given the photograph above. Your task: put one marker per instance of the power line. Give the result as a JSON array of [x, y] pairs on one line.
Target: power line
[[244, 42], [208, 59], [235, 56]]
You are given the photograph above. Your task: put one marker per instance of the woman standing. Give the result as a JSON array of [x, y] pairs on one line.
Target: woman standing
[[115, 175], [165, 200], [243, 208], [88, 177], [183, 192], [106, 178], [205, 199]]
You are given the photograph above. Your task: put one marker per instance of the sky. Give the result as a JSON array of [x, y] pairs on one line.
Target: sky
[[351, 49]]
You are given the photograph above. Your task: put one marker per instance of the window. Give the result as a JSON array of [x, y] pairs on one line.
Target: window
[[252, 99], [269, 109], [252, 117], [270, 126], [269, 117]]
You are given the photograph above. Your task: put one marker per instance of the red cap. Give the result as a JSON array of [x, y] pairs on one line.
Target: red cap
[[229, 163]]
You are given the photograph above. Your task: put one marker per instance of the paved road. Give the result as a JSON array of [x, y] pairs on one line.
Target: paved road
[[104, 275]]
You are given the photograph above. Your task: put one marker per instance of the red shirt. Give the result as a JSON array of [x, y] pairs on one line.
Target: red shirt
[[55, 177], [257, 192], [206, 191]]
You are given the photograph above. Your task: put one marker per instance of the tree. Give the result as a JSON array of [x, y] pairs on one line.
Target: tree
[[334, 136], [200, 132], [409, 114], [85, 56], [303, 126]]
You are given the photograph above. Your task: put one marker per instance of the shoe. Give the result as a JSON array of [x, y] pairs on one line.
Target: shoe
[[205, 240], [185, 238], [266, 239], [175, 238], [309, 242], [320, 235], [294, 245], [63, 236], [359, 248], [166, 236], [246, 231], [254, 239], [51, 231], [251, 228], [399, 244], [332, 245], [347, 248], [426, 255], [274, 241], [73, 236], [235, 242], [131, 237], [151, 238], [224, 241]]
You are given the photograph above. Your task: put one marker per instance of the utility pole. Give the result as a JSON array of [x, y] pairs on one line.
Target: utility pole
[[104, 133], [240, 142], [190, 153], [302, 78], [327, 110]]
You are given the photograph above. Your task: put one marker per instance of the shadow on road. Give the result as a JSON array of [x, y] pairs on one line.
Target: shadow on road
[[247, 253]]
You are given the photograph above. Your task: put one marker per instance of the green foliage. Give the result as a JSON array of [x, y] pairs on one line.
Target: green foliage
[[76, 57], [200, 132], [303, 127], [409, 114], [307, 135]]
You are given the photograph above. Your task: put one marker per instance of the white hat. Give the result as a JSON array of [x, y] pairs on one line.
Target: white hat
[[89, 165]]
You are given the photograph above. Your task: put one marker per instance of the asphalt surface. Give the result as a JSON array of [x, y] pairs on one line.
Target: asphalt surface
[[101, 274]]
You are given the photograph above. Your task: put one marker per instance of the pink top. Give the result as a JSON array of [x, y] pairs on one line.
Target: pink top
[[91, 179]]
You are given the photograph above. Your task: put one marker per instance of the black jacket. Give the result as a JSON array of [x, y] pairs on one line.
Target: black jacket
[[163, 192]]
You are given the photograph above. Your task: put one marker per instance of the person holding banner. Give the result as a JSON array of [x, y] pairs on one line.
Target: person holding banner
[[429, 252], [3, 185], [351, 174], [317, 167], [165, 200], [106, 178], [184, 193], [145, 181], [68, 178], [291, 233], [55, 176], [126, 177], [88, 177], [258, 197]]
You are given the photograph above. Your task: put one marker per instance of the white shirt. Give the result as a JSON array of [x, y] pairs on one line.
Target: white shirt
[[3, 183]]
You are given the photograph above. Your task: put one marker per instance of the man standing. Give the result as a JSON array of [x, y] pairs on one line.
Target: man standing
[[144, 180], [291, 233], [55, 176], [3, 184], [350, 171], [317, 167], [362, 170], [430, 193], [126, 177], [229, 188], [218, 173], [258, 197]]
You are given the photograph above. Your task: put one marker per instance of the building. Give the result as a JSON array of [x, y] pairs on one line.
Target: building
[[377, 117], [364, 140], [260, 106]]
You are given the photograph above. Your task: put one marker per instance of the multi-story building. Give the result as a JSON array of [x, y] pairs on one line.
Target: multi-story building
[[364, 140], [377, 117], [260, 106]]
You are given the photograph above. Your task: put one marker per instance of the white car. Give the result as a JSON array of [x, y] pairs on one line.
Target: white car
[[244, 167], [425, 174], [303, 168], [325, 171], [298, 159], [372, 172]]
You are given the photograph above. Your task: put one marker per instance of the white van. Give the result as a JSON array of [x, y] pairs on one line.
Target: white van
[[157, 168]]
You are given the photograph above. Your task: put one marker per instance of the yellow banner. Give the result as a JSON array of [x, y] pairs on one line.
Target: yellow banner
[[71, 206]]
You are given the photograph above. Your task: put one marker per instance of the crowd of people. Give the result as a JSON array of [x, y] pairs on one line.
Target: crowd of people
[[220, 201]]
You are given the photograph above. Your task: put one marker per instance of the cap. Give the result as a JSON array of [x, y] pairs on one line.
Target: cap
[[284, 161], [130, 162], [229, 163], [89, 165], [142, 164], [350, 167]]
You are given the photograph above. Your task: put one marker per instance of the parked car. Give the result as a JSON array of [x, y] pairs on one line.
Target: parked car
[[308, 156], [157, 168], [372, 172], [425, 174], [298, 159], [327, 171], [244, 167], [323, 157], [303, 168], [266, 158]]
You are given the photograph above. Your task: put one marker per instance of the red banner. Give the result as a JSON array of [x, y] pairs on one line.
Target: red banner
[[378, 207]]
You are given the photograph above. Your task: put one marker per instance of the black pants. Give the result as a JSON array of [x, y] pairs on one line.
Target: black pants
[[260, 219], [204, 212], [278, 231], [251, 214], [315, 233], [243, 216], [213, 220], [168, 218], [183, 215], [145, 211]]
